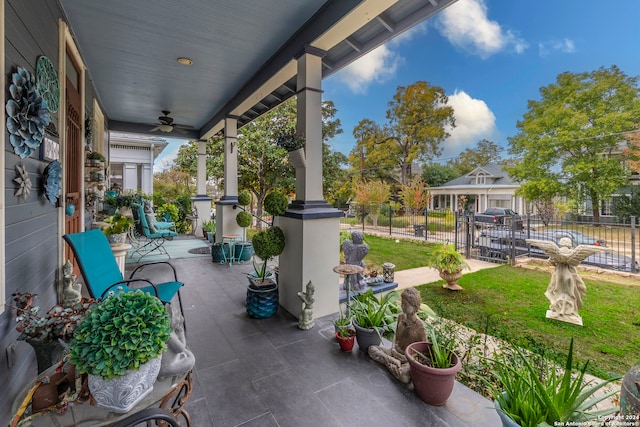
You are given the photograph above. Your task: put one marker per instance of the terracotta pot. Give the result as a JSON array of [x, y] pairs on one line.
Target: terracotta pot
[[451, 279], [346, 344], [432, 385]]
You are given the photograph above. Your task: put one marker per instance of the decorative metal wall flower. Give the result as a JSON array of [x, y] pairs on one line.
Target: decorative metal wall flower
[[27, 114], [47, 82], [52, 181], [23, 181]]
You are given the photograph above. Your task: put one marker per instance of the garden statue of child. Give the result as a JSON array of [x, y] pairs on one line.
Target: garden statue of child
[[409, 330], [71, 293], [354, 251], [306, 318]]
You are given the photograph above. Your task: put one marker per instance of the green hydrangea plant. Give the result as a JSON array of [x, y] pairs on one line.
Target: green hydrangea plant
[[121, 333]]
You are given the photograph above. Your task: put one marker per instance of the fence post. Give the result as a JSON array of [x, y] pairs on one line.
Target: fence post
[[363, 215], [426, 223], [390, 218], [456, 218], [633, 245]]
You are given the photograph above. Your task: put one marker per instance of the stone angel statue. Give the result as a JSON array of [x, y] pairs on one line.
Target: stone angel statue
[[566, 289], [354, 251]]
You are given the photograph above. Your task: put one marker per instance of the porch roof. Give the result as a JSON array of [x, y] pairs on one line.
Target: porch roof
[[243, 52]]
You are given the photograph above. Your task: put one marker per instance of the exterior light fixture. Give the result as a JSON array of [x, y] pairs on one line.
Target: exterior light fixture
[[185, 61]]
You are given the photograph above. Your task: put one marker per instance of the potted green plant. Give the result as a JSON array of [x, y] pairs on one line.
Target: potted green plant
[[262, 292], [535, 392], [346, 336], [372, 317], [44, 332], [117, 228], [294, 143], [449, 262], [119, 344], [433, 366], [275, 203], [208, 229]]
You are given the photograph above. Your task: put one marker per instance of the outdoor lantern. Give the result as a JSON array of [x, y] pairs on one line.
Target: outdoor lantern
[[387, 272]]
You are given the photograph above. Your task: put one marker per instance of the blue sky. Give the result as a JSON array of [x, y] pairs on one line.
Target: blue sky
[[490, 57]]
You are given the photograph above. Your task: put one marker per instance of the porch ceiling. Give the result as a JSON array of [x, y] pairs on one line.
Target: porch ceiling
[[242, 52]]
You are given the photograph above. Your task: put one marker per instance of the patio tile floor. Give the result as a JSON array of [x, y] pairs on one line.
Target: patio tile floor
[[268, 372]]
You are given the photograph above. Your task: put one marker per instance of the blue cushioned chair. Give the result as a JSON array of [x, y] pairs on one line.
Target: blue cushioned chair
[[154, 237], [101, 272]]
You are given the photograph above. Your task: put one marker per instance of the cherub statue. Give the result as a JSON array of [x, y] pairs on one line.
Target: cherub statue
[[566, 289], [306, 318], [409, 330], [71, 290], [354, 251]]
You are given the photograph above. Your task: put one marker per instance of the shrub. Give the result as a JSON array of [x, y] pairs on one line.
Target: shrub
[[275, 203], [244, 198], [244, 219]]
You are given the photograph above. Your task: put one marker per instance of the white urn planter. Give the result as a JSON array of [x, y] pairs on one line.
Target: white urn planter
[[121, 394]]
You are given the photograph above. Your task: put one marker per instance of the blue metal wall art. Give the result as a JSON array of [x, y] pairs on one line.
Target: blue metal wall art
[[52, 181]]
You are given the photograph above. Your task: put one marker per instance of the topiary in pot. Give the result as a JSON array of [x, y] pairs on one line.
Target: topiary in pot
[[275, 203], [267, 244], [121, 337]]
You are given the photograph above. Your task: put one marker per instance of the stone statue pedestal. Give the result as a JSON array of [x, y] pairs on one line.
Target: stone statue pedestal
[[575, 319]]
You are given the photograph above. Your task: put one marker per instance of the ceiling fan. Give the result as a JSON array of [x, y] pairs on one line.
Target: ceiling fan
[[166, 124]]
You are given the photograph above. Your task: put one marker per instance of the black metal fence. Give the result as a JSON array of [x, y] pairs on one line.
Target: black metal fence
[[504, 243]]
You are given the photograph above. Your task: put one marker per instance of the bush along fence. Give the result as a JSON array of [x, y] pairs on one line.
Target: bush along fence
[[503, 243]]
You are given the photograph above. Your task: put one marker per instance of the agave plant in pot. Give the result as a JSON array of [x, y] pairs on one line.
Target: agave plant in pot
[[433, 366], [119, 344], [371, 317], [450, 263]]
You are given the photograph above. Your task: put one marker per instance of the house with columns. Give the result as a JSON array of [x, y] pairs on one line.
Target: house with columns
[[216, 65], [484, 187]]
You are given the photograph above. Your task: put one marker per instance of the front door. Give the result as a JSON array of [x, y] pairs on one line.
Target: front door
[[73, 162]]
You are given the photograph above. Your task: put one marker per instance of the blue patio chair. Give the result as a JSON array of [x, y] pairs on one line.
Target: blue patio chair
[[154, 237], [102, 275]]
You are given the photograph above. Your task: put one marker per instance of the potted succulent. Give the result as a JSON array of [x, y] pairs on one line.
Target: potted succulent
[[117, 228], [346, 336], [372, 317], [536, 392], [44, 332], [450, 263], [119, 344], [262, 292], [209, 229], [433, 367], [294, 143]]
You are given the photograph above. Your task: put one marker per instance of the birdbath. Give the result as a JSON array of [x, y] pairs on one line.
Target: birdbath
[[349, 271]]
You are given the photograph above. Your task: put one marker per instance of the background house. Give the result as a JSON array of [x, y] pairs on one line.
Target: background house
[[483, 187]]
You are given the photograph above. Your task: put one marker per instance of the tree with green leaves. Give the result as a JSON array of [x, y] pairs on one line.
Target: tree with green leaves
[[485, 152], [568, 140], [417, 121], [434, 174], [415, 195], [371, 195]]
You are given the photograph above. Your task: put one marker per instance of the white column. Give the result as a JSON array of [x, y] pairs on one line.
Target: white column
[[202, 168], [225, 214], [311, 226]]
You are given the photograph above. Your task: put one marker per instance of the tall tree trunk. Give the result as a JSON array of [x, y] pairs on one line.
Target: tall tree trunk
[[595, 205]]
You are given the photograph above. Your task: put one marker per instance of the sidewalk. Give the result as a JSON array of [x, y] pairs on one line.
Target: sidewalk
[[422, 275]]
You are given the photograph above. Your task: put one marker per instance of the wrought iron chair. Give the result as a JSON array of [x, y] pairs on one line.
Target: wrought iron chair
[[102, 275], [146, 415], [154, 237]]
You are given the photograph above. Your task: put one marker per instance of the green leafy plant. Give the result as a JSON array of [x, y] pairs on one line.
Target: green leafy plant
[[244, 219], [346, 332], [118, 224], [447, 259], [244, 198], [95, 155], [535, 395], [121, 333], [275, 203], [209, 226], [267, 244], [170, 209], [290, 141], [58, 322], [440, 355], [370, 313]]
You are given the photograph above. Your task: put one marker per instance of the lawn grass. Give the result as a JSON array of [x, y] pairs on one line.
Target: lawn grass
[[405, 254], [509, 303]]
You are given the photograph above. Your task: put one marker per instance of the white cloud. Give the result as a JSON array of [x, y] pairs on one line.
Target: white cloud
[[553, 46], [168, 155], [474, 121], [466, 25], [378, 66]]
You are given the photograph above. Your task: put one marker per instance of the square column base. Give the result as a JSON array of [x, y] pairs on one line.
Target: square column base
[[312, 250]]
